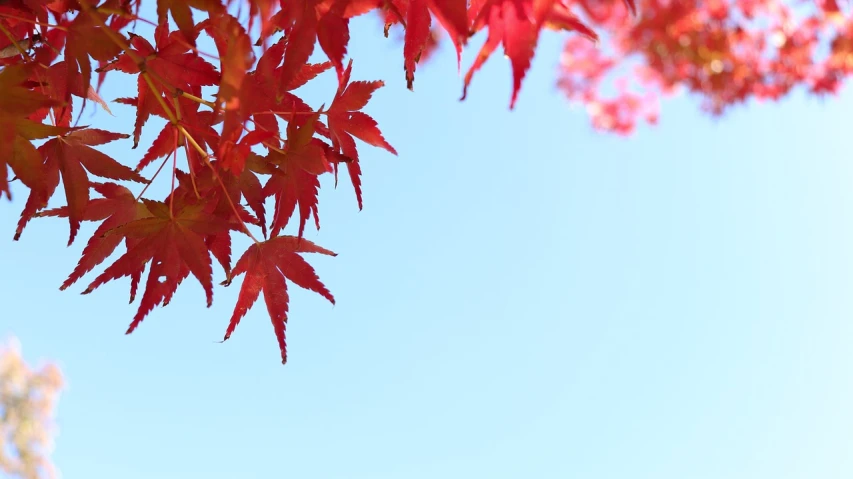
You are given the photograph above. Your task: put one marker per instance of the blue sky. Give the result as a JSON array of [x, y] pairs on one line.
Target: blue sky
[[521, 297]]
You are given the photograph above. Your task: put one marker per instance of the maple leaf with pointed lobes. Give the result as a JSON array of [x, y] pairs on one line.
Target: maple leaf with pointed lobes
[[418, 23], [333, 34], [294, 180], [261, 9], [288, 104], [17, 103], [169, 59], [262, 98], [117, 207], [509, 22], [23, 159], [129, 13], [182, 14], [86, 39], [251, 189], [72, 155], [164, 145], [203, 187], [191, 189], [322, 21], [173, 244], [233, 158], [259, 93], [168, 140], [346, 121], [55, 83], [451, 14], [235, 51], [308, 72], [298, 19], [516, 25], [266, 266], [293, 188]]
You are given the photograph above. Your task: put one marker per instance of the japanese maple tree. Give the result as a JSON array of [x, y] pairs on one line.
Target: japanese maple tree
[[726, 52], [238, 137]]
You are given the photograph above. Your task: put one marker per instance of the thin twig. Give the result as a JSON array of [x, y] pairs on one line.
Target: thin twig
[[36, 22], [152, 178], [197, 99], [206, 159]]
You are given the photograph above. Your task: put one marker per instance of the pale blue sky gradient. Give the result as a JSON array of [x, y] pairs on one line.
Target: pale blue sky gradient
[[520, 298]]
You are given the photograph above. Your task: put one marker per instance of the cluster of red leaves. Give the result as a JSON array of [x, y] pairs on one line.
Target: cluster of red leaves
[[725, 51], [235, 154]]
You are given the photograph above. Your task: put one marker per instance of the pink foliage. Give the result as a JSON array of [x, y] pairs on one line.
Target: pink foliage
[[725, 51]]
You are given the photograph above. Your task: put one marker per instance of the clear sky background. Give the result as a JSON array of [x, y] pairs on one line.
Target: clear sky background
[[520, 298]]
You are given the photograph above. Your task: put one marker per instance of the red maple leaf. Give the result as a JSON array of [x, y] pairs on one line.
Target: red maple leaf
[[235, 52], [266, 266], [117, 207], [172, 61], [170, 139], [346, 121], [86, 39], [17, 103], [453, 16], [516, 25], [264, 97], [418, 22], [55, 82], [298, 19], [174, 245], [322, 21], [182, 14], [333, 34], [220, 203], [262, 9], [294, 179], [251, 189], [71, 156]]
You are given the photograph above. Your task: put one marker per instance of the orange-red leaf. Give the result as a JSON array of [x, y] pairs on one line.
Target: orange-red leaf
[[333, 35], [182, 14], [299, 20], [117, 207], [86, 40], [70, 157], [174, 246], [417, 33], [515, 24], [346, 122], [453, 16], [266, 266]]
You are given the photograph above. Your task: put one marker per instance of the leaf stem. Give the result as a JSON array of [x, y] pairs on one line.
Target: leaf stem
[[174, 170], [36, 22], [152, 178], [183, 140], [289, 113], [140, 62], [159, 96], [206, 159], [196, 99]]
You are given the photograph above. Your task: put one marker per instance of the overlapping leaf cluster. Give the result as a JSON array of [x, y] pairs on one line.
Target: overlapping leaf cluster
[[230, 154], [724, 51]]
